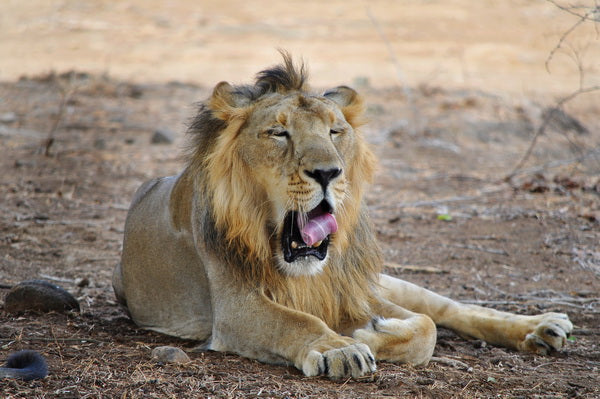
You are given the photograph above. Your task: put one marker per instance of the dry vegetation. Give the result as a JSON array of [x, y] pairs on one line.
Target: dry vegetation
[[486, 197], [527, 246]]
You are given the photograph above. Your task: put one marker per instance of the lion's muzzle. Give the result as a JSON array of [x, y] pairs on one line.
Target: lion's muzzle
[[308, 234]]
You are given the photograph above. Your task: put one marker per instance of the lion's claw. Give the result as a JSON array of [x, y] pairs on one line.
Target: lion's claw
[[353, 360], [549, 334]]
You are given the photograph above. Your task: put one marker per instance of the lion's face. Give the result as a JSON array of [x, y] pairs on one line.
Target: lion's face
[[299, 147], [287, 173]]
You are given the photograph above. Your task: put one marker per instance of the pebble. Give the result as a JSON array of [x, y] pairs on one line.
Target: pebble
[[8, 117], [169, 354], [39, 296], [100, 144], [162, 136]]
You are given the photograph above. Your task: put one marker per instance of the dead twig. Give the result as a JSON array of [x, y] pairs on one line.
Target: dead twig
[[542, 128], [482, 249], [54, 340], [414, 268], [554, 164], [586, 304], [485, 302], [66, 92], [433, 203], [582, 19], [592, 14], [570, 11], [450, 362]]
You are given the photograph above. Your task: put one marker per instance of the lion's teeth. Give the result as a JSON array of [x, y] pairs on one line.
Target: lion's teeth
[[294, 245], [317, 244]]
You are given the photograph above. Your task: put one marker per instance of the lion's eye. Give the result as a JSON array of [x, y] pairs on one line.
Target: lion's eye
[[335, 132], [279, 133]]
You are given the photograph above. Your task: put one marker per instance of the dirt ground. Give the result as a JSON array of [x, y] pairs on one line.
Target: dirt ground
[[446, 137]]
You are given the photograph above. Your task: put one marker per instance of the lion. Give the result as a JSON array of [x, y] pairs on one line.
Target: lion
[[262, 245]]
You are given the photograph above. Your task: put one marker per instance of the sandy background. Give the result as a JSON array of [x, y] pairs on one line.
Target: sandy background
[[499, 46]]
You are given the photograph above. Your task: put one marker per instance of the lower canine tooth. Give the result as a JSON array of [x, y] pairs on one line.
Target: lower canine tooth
[[317, 244], [294, 245]]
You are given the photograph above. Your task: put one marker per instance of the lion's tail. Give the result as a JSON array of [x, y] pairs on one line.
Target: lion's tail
[[26, 365]]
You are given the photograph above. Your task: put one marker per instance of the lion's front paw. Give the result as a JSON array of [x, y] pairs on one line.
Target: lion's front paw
[[550, 333], [406, 341], [354, 360]]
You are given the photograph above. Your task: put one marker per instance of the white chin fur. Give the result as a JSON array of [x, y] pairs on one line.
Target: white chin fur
[[302, 266]]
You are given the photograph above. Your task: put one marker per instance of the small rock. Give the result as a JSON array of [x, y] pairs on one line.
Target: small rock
[[424, 381], [8, 117], [100, 144], [82, 282], [479, 344], [162, 136], [169, 354], [39, 296]]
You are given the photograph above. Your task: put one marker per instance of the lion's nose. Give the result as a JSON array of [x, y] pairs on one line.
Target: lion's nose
[[323, 176]]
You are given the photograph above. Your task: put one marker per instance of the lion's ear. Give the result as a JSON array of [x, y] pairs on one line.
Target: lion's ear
[[225, 103], [350, 102]]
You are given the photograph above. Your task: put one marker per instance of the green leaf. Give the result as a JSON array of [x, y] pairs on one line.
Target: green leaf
[[445, 217]]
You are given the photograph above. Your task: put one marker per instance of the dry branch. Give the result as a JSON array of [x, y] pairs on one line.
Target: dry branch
[[494, 251], [542, 128], [450, 362], [592, 14], [414, 268], [66, 92]]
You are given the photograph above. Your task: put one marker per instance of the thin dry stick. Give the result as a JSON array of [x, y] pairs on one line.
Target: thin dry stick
[[542, 128], [570, 11], [553, 164], [482, 249], [415, 268], [65, 96], [592, 11], [450, 362], [564, 37]]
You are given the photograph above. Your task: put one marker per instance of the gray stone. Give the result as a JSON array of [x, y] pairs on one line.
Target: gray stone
[[39, 296], [169, 354], [162, 136], [8, 117]]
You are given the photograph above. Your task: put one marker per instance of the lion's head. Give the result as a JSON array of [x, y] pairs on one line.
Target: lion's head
[[284, 168]]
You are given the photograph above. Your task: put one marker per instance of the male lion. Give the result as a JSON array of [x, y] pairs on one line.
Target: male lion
[[262, 245]]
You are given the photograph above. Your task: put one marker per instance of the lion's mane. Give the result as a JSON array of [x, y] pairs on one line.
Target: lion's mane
[[231, 216]]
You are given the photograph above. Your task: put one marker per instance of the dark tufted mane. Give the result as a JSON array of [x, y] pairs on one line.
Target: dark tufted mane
[[204, 127], [283, 77], [278, 79]]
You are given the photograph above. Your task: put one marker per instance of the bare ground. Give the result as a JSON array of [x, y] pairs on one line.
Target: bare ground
[[445, 216]]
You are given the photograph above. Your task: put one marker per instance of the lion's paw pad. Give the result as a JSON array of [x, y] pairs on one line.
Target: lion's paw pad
[[353, 360]]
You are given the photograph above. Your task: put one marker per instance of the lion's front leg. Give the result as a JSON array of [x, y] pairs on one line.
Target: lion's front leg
[[263, 330], [409, 340], [540, 334]]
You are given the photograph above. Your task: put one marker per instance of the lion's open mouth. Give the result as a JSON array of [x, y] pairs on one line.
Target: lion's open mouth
[[308, 234]]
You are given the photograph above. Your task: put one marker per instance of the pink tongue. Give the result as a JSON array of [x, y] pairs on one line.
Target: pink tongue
[[317, 228]]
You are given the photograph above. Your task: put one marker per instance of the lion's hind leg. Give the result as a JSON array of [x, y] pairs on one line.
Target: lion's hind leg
[[541, 334], [410, 340]]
